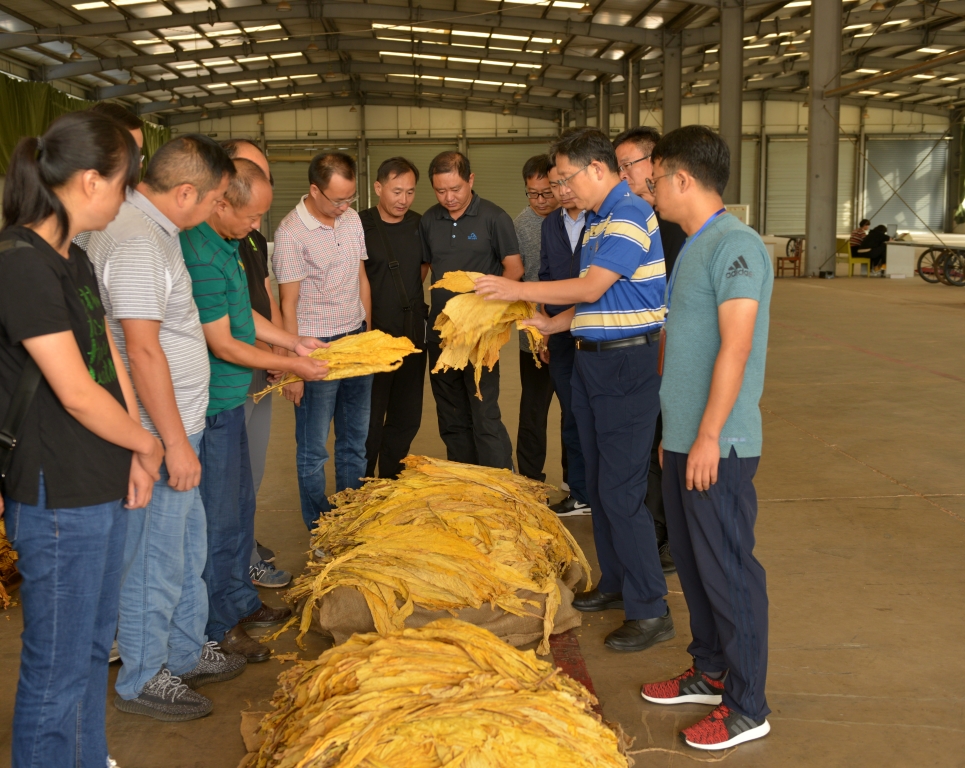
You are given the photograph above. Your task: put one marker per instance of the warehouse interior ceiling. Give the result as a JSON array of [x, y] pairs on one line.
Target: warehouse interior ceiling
[[180, 60]]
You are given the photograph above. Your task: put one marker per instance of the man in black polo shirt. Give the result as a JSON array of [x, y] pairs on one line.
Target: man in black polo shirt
[[253, 250], [396, 271], [464, 232]]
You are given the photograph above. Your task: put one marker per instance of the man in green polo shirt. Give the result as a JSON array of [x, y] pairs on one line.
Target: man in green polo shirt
[[230, 329]]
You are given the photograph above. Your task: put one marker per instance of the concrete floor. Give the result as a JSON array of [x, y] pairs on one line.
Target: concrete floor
[[861, 529]]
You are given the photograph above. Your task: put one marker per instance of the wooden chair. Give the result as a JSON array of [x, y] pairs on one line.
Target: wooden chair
[[843, 253], [792, 260]]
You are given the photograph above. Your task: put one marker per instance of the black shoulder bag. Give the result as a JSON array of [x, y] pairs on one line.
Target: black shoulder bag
[[23, 395], [410, 328]]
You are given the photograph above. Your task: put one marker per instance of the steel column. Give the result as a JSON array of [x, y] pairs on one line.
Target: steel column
[[823, 114], [631, 101], [603, 105], [672, 75], [952, 195], [731, 90]]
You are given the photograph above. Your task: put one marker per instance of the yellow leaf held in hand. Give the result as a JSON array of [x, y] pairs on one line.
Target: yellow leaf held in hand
[[357, 355], [472, 330]]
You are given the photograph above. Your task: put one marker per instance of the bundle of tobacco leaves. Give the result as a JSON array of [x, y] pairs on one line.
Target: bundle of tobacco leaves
[[446, 694], [8, 568], [357, 355], [444, 536], [473, 329]]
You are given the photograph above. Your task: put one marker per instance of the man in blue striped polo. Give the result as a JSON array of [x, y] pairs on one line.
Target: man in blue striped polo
[[619, 310]]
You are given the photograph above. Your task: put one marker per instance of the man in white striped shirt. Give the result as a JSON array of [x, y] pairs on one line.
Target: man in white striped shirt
[[147, 294]]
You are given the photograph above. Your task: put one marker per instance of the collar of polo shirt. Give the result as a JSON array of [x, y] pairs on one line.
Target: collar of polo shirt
[[310, 221]]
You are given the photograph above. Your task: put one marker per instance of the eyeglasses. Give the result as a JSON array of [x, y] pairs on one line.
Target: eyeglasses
[[565, 183], [340, 203], [537, 195], [626, 166], [652, 183]]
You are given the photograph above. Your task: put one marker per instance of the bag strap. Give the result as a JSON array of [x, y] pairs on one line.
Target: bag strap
[[394, 268], [23, 394]]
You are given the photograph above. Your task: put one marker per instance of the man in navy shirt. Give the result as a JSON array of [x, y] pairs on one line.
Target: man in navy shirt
[[618, 313]]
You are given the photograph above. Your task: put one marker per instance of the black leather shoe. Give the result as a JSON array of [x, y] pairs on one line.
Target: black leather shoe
[[666, 559], [640, 634], [595, 600]]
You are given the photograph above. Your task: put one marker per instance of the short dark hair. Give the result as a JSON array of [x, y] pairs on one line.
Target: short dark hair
[[247, 174], [326, 164], [697, 150], [395, 166], [75, 142], [641, 136], [537, 166], [585, 145], [864, 221], [447, 162], [191, 159], [121, 114]]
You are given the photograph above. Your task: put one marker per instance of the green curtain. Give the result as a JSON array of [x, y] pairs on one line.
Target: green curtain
[[28, 108]]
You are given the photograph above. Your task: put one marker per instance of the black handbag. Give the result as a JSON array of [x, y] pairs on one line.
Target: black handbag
[[23, 395], [413, 327]]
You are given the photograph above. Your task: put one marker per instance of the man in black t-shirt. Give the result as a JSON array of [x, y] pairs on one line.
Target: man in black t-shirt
[[396, 270], [464, 232]]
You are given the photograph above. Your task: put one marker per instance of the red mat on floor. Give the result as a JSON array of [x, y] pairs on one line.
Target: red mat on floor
[[565, 648]]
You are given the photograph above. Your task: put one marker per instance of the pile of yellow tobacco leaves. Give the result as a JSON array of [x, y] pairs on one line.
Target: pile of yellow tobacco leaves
[[473, 330], [357, 355], [443, 536], [447, 694], [8, 568]]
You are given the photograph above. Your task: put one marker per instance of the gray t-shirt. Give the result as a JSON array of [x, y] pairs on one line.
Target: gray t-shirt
[[142, 276], [529, 225], [728, 261]]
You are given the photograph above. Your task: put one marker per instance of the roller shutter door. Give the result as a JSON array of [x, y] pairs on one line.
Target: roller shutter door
[[420, 155], [786, 193], [499, 172], [916, 167], [291, 184], [750, 170]]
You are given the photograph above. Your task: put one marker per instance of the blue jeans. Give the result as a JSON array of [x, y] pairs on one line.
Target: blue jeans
[[70, 560], [229, 506], [349, 403], [562, 354], [164, 603]]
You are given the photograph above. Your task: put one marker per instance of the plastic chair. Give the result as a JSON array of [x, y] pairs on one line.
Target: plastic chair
[[844, 250]]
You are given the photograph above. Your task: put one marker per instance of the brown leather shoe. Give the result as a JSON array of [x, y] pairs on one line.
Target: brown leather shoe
[[240, 642], [266, 616]]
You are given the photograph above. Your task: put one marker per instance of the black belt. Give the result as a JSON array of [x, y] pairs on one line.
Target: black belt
[[600, 346]]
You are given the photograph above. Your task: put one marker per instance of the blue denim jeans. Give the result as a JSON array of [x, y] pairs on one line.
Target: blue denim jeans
[[70, 560], [349, 403], [229, 507], [164, 603]]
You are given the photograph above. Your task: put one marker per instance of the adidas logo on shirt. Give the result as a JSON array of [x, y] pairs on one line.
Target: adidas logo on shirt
[[739, 269], [472, 237]]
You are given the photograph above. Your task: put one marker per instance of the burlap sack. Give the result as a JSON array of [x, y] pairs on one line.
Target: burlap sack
[[343, 612]]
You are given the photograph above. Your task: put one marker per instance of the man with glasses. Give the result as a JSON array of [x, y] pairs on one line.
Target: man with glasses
[[319, 264], [618, 313], [536, 386], [633, 148]]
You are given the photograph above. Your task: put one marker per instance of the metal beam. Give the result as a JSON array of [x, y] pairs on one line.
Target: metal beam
[[362, 86], [731, 85], [334, 43], [823, 117], [897, 74], [672, 74]]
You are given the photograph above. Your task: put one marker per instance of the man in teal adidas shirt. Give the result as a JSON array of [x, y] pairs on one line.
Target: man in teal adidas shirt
[[230, 329], [718, 303]]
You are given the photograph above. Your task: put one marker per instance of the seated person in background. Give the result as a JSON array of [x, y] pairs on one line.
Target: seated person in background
[[858, 236], [873, 247]]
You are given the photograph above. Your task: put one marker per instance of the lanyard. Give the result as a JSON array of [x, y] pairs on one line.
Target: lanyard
[[680, 256]]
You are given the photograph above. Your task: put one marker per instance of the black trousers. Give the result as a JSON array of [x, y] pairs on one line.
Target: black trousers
[[395, 416], [712, 543], [472, 429], [615, 402], [534, 408], [655, 486]]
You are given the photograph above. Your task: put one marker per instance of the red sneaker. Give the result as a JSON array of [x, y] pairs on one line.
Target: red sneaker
[[724, 728], [692, 687]]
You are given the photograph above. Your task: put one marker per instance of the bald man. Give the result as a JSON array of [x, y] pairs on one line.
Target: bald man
[[253, 249]]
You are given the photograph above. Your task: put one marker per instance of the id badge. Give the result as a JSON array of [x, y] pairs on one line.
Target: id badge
[[661, 349]]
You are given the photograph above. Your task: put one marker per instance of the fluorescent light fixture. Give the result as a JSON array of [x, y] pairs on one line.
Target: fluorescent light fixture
[[273, 79], [712, 50], [240, 101], [924, 77], [868, 71], [520, 38], [798, 4], [749, 47], [894, 21], [402, 28], [223, 33], [414, 56], [869, 93], [931, 50], [89, 6], [487, 82], [864, 34], [950, 79], [567, 4], [299, 77], [497, 63], [132, 2], [250, 59], [243, 82], [192, 36], [464, 61], [152, 41], [463, 33], [218, 85], [891, 95], [458, 79], [264, 98], [855, 26], [542, 40], [283, 55], [266, 28], [189, 65], [529, 66]]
